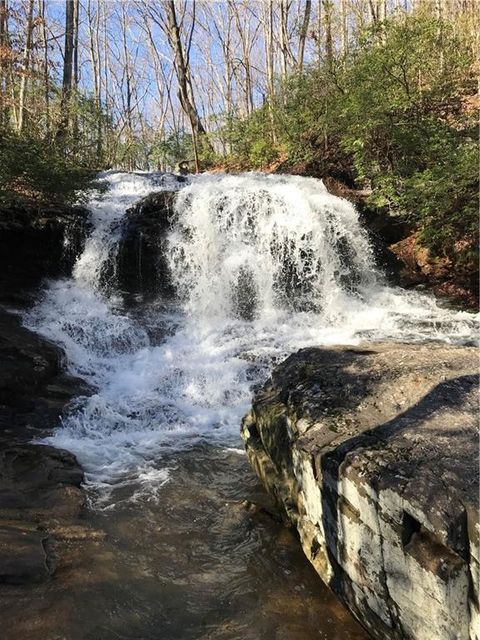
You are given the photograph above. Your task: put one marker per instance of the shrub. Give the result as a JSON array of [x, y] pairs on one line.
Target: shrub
[[33, 168]]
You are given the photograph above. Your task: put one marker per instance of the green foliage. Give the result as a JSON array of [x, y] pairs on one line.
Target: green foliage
[[45, 163], [252, 139], [404, 124], [392, 115], [34, 168], [171, 150]]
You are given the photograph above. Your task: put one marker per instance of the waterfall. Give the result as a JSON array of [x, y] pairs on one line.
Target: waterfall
[[262, 266], [253, 245]]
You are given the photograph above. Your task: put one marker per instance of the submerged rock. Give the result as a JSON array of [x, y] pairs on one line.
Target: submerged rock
[[22, 554], [39, 488], [372, 452]]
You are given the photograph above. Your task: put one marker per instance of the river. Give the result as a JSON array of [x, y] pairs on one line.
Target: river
[[261, 266]]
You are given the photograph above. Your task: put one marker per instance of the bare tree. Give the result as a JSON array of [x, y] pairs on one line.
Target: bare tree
[[67, 81], [4, 61], [27, 53], [303, 35], [284, 42], [46, 63], [327, 13], [181, 64]]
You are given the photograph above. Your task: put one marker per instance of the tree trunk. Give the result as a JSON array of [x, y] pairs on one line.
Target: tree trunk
[[344, 28], [270, 60], [67, 80], [327, 12], [269, 51], [244, 35], [284, 44], [4, 60], [46, 77], [303, 35], [25, 67], [181, 63], [75, 114]]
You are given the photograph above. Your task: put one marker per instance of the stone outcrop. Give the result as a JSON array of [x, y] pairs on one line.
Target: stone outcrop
[[41, 498], [372, 453], [142, 270], [38, 242], [458, 282], [34, 387]]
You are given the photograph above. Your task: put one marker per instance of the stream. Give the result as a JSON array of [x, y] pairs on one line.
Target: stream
[[262, 266]]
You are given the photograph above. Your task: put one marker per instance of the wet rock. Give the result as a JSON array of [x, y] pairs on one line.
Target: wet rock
[[40, 486], [384, 230], [39, 483], [39, 495], [34, 387], [22, 554], [38, 242], [373, 455], [47, 549], [142, 268]]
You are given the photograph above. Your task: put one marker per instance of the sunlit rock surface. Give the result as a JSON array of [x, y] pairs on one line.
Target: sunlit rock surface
[[372, 452]]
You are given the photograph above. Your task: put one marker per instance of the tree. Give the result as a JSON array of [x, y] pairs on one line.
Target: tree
[[4, 61], [25, 66], [181, 64], [67, 81], [303, 35]]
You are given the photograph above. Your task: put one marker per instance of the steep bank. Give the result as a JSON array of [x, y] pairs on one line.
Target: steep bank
[[372, 453]]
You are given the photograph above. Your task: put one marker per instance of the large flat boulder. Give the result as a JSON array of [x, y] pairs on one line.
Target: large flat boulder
[[372, 453]]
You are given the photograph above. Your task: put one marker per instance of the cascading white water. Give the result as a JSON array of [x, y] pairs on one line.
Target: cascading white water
[[263, 265], [264, 244]]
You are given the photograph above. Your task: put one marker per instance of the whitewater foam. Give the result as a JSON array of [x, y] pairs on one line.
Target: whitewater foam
[[263, 266]]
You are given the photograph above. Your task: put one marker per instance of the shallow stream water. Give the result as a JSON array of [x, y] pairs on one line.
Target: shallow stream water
[[262, 266]]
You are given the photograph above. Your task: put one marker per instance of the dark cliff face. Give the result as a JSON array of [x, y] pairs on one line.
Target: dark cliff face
[[142, 269], [38, 242]]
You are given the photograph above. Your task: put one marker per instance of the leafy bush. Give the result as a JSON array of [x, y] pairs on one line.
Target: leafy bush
[[406, 127], [395, 115], [33, 168]]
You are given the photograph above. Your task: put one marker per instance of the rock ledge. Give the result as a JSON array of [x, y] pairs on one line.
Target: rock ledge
[[372, 452]]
